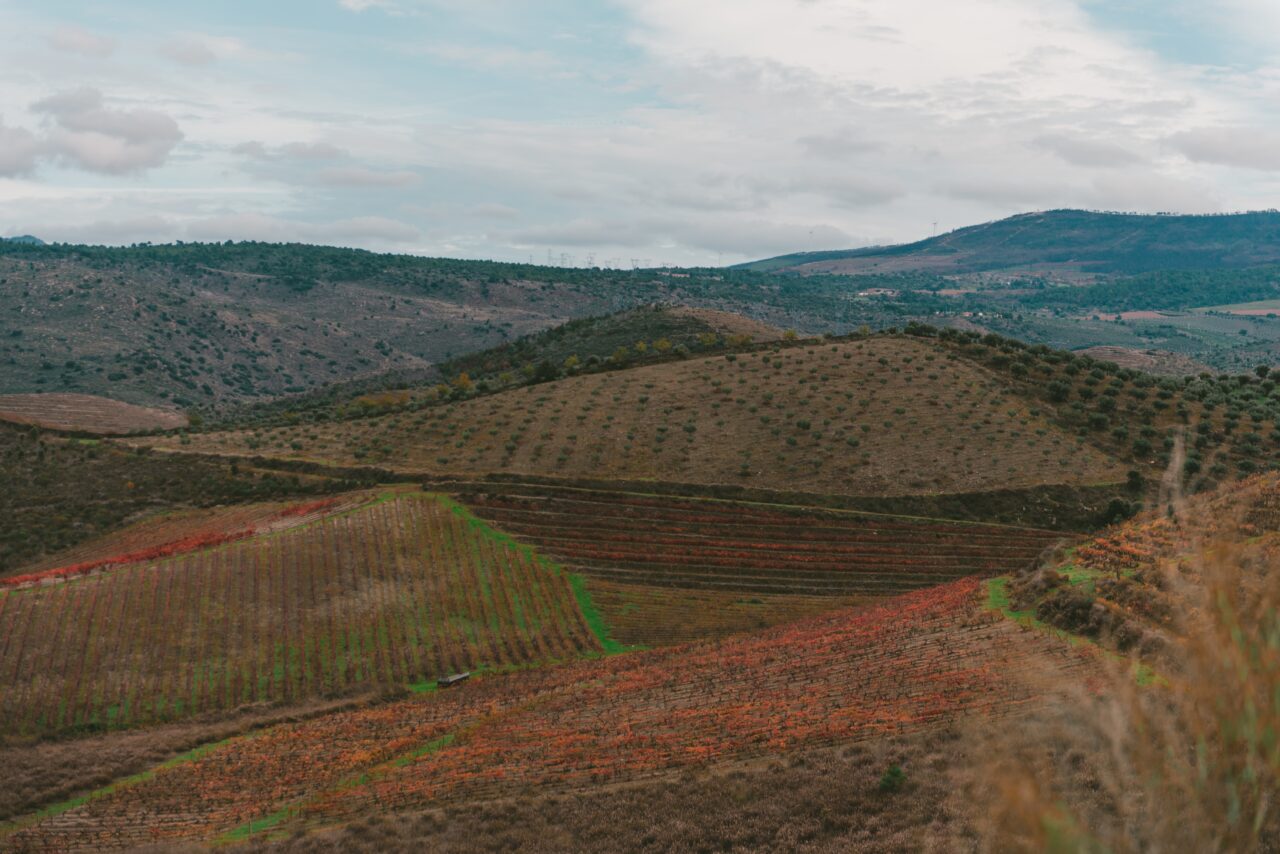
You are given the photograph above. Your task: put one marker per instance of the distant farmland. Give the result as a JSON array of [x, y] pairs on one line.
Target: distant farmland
[[86, 413]]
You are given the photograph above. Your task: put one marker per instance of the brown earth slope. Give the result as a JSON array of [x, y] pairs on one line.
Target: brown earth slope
[[86, 413], [882, 416]]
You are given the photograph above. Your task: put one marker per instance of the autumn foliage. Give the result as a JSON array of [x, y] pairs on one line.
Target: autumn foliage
[[916, 661]]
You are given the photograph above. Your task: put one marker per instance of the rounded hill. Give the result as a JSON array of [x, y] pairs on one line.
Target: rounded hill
[[876, 416]]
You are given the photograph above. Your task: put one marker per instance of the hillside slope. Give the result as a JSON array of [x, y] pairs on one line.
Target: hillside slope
[[213, 324], [86, 414], [881, 416], [60, 492], [1127, 586], [921, 661], [374, 597], [1065, 240], [648, 334], [200, 324]]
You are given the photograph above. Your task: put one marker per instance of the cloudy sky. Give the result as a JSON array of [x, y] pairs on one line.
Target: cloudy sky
[[666, 131]]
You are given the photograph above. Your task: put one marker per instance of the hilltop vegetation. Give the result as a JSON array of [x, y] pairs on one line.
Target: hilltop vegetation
[[646, 335], [201, 324], [211, 324], [1066, 239], [654, 332]]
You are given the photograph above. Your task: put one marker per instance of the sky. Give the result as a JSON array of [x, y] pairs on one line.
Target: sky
[[623, 132]]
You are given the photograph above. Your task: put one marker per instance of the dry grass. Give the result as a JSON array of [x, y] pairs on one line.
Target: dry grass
[[41, 773], [1188, 763], [812, 801], [729, 323], [885, 416]]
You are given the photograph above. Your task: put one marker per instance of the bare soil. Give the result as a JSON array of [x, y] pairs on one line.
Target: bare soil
[[86, 413]]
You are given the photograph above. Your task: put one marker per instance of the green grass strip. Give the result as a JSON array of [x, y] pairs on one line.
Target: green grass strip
[[123, 783], [256, 826], [998, 600], [595, 620], [261, 825]]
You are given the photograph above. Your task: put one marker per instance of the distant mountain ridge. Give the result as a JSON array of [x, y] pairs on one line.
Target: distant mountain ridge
[[23, 238], [1067, 241]]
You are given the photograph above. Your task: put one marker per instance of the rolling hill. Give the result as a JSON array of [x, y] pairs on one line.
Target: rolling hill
[[207, 325], [60, 492], [918, 662], [882, 416], [275, 606], [1064, 240], [202, 324], [647, 334]]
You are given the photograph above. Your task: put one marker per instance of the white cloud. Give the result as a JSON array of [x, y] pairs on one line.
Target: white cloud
[[735, 235], [87, 134], [358, 176], [494, 58], [351, 231], [200, 49], [1247, 148], [493, 210], [363, 5], [742, 127], [71, 39], [189, 51], [19, 150], [1088, 152], [292, 151]]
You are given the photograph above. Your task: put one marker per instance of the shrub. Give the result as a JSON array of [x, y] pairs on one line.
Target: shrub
[[892, 780]]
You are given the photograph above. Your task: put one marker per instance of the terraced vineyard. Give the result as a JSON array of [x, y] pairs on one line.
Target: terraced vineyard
[[175, 533], [917, 661], [404, 589], [666, 570], [651, 616], [753, 548]]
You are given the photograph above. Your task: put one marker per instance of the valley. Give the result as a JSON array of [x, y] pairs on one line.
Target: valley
[[657, 552]]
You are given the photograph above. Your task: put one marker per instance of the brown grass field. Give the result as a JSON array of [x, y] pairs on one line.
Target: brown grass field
[[885, 416], [86, 413], [729, 323]]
